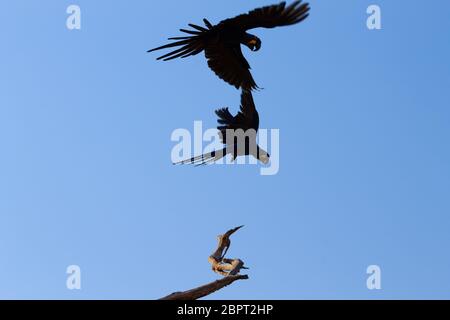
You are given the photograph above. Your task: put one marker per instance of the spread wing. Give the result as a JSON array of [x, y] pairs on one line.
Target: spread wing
[[188, 45], [277, 15], [230, 65], [225, 59], [247, 117]]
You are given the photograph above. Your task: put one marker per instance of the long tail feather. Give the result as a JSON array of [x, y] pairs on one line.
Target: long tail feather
[[206, 162], [204, 159]]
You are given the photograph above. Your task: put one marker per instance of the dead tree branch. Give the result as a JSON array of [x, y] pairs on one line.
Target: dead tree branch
[[229, 268], [205, 290]]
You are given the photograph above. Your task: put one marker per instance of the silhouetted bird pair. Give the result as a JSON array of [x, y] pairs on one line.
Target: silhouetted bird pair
[[222, 46]]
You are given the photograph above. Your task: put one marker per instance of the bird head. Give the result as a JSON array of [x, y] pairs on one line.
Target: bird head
[[252, 42]]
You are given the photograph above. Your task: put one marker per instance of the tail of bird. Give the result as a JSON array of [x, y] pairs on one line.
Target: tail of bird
[[190, 45], [205, 159]]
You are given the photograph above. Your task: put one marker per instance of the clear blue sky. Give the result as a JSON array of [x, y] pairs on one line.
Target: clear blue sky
[[86, 177]]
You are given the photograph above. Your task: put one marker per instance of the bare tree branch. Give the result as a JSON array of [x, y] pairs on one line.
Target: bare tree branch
[[205, 290], [229, 268]]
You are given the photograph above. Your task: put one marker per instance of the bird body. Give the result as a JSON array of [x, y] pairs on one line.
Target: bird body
[[222, 43], [237, 133]]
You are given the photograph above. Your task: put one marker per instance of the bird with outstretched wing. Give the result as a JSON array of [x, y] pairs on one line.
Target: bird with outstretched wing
[[222, 42], [237, 133]]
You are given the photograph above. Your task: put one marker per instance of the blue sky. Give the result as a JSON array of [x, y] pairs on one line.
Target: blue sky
[[86, 177]]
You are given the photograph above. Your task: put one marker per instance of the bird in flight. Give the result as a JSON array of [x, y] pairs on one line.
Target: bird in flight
[[222, 42], [237, 133]]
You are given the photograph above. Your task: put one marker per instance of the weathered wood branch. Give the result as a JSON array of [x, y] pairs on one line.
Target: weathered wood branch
[[205, 290], [229, 268]]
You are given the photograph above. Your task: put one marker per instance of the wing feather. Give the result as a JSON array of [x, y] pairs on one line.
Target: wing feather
[[190, 45], [230, 65], [247, 118], [271, 16]]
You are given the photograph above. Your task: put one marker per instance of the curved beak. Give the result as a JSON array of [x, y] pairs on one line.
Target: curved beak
[[253, 45]]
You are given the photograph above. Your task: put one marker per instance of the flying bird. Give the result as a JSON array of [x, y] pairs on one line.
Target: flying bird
[[222, 42], [237, 133]]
